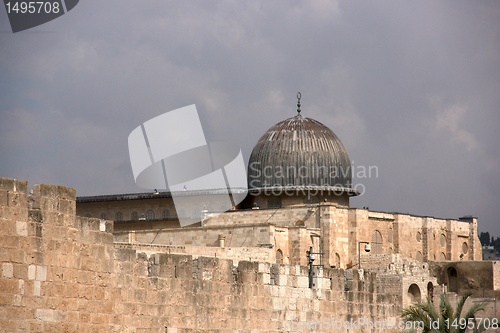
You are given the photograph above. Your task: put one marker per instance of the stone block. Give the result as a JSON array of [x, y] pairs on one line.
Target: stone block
[[36, 257], [124, 254], [37, 288], [11, 184], [31, 272], [4, 197], [282, 292], [17, 300], [263, 267], [21, 286], [303, 282], [49, 315], [9, 241], [7, 270], [67, 207], [295, 270], [266, 278], [9, 286], [54, 191], [18, 256], [282, 280], [41, 273], [20, 271], [7, 227]]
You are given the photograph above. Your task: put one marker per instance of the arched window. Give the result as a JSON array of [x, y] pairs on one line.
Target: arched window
[[279, 256], [134, 216], [442, 240], [419, 256], [452, 276], [337, 260], [414, 294], [150, 215], [376, 243], [430, 291], [165, 214], [118, 216], [104, 216]]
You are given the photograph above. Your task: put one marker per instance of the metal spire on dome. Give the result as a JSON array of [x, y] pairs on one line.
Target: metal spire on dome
[[298, 102]]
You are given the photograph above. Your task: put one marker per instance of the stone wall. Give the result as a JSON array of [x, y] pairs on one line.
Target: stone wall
[[304, 215], [128, 204], [340, 229], [236, 254], [63, 273], [250, 235]]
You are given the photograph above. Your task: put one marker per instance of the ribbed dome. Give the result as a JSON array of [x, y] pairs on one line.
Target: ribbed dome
[[300, 153]]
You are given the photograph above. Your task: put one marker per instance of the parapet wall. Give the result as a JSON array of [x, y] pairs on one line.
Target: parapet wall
[[236, 254], [63, 273]]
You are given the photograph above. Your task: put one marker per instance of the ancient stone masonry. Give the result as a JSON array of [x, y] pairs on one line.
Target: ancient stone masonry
[[63, 273]]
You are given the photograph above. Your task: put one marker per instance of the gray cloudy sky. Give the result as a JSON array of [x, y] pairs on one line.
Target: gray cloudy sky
[[412, 88]]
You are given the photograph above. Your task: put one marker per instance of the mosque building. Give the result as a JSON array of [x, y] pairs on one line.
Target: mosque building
[[299, 188], [291, 254]]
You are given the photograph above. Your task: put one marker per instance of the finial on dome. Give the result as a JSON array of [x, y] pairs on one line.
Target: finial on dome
[[298, 102]]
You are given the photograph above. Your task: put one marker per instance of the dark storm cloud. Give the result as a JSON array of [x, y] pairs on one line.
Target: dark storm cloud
[[411, 88]]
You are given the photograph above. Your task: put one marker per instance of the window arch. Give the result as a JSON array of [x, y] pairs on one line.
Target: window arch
[[165, 214], [150, 215], [337, 260], [118, 216], [442, 240], [430, 291], [376, 242], [134, 216], [452, 276], [279, 256], [414, 294], [104, 216]]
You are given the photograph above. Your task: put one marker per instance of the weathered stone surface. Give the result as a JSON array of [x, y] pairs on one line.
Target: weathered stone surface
[[63, 273]]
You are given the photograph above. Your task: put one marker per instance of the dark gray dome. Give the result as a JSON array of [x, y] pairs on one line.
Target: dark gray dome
[[300, 153]]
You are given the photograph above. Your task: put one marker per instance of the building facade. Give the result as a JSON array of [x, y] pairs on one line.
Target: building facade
[[300, 185]]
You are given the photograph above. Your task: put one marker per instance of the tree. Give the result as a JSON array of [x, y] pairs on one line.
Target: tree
[[444, 319]]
